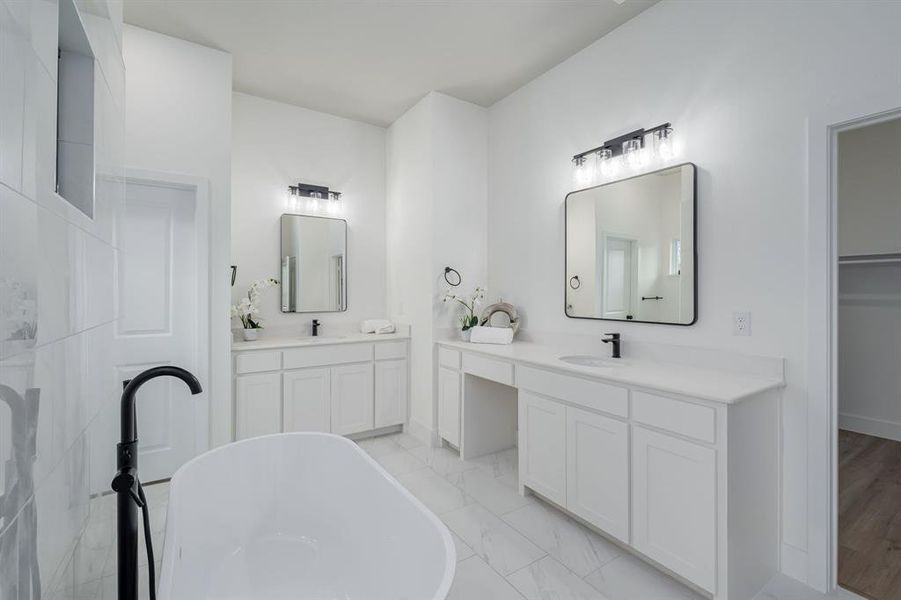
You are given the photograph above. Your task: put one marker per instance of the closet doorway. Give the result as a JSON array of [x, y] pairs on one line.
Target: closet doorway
[[868, 167]]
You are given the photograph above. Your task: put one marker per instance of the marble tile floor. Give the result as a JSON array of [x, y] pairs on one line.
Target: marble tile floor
[[508, 546]]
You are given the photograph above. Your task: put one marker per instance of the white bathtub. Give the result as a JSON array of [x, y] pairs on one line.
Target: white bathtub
[[299, 516]]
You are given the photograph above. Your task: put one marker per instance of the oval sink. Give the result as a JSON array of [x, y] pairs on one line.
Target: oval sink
[[585, 360]]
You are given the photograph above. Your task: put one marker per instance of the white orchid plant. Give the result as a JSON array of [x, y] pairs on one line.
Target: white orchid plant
[[248, 308], [468, 319]]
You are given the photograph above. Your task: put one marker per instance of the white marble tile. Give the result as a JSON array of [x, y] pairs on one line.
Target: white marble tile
[[15, 57], [406, 441], [496, 495], [400, 462], [39, 141], [18, 273], [782, 587], [492, 539], [629, 578], [378, 446], [442, 460], [53, 277], [462, 548], [499, 464], [475, 580], [547, 578], [434, 491], [577, 547]]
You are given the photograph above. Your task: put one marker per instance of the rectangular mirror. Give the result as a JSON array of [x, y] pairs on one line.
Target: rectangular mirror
[[631, 249], [313, 264]]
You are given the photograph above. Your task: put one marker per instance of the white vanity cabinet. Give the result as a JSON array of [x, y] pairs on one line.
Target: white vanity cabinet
[[671, 475], [344, 388]]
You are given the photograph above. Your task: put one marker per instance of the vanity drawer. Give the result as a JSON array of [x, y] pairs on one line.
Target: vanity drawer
[[315, 356], [583, 392], [257, 362], [390, 350], [488, 368], [449, 358], [691, 420]]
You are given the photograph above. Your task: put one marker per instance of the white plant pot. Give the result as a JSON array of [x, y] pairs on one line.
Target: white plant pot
[[251, 335], [464, 335]]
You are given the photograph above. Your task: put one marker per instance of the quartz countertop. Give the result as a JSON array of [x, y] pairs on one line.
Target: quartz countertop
[[714, 385], [324, 340]]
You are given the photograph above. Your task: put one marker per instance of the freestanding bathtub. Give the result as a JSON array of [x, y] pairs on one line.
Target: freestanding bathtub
[[299, 516]]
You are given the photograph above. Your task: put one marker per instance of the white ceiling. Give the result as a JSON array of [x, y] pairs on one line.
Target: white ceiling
[[371, 60]]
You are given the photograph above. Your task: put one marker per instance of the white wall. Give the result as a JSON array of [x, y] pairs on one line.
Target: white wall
[[869, 209], [437, 193], [179, 121], [275, 145], [740, 109], [56, 277]]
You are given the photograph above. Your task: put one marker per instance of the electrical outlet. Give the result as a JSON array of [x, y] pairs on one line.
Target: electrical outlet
[[741, 323]]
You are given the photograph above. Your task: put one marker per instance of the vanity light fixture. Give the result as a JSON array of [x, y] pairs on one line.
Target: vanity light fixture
[[628, 150], [314, 194]]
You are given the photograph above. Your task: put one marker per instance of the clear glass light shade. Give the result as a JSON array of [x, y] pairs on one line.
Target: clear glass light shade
[[634, 154], [609, 165], [664, 144], [583, 172]]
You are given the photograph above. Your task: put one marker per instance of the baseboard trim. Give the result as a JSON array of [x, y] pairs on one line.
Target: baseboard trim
[[877, 427], [793, 562]]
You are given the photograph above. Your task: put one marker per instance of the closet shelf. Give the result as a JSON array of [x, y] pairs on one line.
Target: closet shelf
[[869, 259]]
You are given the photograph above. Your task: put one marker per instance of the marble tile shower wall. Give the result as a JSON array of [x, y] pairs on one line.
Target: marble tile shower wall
[[57, 308]]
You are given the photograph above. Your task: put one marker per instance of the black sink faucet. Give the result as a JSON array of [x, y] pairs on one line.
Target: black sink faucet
[[316, 326], [613, 338], [128, 487]]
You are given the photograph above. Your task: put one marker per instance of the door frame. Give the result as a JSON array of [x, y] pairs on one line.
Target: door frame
[[823, 128], [602, 271], [200, 187]]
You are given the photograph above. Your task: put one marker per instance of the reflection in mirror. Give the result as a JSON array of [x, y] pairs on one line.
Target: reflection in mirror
[[313, 264], [630, 249]]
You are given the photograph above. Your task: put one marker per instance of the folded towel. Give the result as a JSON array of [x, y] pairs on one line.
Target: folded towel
[[491, 335], [377, 326]]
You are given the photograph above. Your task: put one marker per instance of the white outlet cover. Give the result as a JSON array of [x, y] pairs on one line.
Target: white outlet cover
[[741, 323]]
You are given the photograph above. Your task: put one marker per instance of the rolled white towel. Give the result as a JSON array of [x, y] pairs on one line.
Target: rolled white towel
[[491, 335], [376, 326]]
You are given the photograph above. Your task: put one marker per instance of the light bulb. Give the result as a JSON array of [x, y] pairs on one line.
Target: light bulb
[[608, 165], [633, 153], [664, 140]]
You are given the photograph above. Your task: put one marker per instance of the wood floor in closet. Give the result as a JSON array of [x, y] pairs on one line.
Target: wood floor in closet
[[869, 515]]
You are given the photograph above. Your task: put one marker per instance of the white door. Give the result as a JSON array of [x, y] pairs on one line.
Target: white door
[[390, 392], [542, 446], [449, 405], [159, 295], [597, 471], [258, 405], [674, 504], [307, 401], [618, 278], [352, 398]]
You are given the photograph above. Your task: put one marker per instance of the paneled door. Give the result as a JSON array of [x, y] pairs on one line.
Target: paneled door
[[352, 406], [158, 292], [618, 277], [307, 400]]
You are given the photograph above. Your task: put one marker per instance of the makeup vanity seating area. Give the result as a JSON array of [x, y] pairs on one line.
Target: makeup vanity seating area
[[678, 463], [346, 385]]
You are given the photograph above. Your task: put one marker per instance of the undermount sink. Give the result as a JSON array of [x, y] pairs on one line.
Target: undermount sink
[[585, 360]]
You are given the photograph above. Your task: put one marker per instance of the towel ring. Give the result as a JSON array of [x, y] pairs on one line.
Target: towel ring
[[448, 271], [234, 274], [574, 282]]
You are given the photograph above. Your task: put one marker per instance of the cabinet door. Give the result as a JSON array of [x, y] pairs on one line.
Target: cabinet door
[[542, 446], [258, 405], [449, 405], [674, 504], [597, 471], [390, 392], [307, 402], [352, 399]]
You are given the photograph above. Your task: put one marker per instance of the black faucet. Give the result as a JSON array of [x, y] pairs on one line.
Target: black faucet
[[128, 487], [316, 326], [613, 338]]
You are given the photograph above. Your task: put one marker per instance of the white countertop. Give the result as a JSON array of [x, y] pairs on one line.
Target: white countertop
[[714, 385], [325, 340]]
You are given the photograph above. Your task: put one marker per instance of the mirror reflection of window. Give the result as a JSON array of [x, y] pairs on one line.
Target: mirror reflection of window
[[632, 244]]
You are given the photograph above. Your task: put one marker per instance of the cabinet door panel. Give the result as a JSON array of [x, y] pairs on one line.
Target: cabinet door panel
[[352, 398], [449, 405], [542, 446], [258, 405], [674, 504], [597, 471], [307, 402], [390, 392]]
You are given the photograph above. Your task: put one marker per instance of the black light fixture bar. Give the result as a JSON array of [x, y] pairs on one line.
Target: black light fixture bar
[[308, 190], [615, 145]]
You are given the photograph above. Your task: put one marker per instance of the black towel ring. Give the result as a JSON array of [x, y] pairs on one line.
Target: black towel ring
[[574, 282], [234, 274], [448, 271]]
